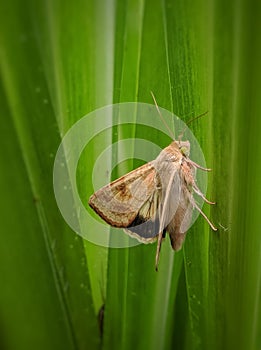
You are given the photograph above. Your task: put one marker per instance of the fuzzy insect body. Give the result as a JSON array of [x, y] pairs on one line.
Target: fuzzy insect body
[[155, 198]]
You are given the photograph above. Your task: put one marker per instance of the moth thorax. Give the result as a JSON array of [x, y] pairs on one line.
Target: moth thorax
[[184, 147]]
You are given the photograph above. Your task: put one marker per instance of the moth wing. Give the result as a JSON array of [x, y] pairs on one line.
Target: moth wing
[[145, 226], [120, 202], [158, 211]]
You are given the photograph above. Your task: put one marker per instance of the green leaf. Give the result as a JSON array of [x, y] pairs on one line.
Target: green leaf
[[45, 296], [61, 60]]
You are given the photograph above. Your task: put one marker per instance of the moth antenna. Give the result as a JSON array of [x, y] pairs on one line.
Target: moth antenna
[[161, 117], [205, 217], [189, 122]]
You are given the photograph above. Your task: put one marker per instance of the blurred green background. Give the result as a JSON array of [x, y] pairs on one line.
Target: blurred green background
[[59, 61]]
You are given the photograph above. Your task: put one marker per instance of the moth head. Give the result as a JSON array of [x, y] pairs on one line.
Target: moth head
[[184, 147]]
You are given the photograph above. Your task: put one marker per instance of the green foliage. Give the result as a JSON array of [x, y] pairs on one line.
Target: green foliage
[[59, 60]]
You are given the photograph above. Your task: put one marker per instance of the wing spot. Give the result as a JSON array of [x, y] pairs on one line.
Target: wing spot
[[122, 192]]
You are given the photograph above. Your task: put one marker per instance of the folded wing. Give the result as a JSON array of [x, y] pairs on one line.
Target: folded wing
[[132, 197]]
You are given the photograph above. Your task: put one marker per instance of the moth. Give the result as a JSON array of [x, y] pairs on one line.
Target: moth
[[154, 199]]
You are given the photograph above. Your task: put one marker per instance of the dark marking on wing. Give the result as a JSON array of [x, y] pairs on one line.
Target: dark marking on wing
[[122, 192], [146, 229]]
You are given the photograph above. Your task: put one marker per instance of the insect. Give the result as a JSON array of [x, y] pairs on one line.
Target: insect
[[154, 199]]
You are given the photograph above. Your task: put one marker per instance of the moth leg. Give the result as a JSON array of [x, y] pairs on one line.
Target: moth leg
[[160, 237], [197, 165], [204, 216], [197, 191]]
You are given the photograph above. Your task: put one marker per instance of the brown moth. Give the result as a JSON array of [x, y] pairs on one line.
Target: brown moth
[[154, 199]]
